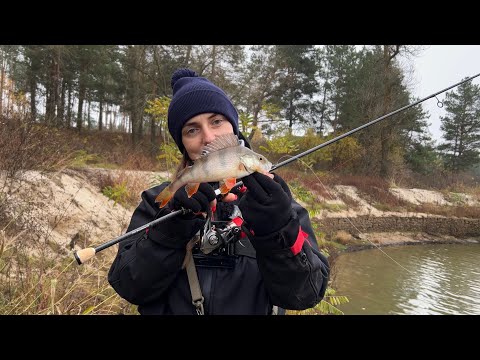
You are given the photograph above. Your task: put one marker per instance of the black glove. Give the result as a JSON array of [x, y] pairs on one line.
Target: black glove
[[199, 202], [179, 230], [267, 205]]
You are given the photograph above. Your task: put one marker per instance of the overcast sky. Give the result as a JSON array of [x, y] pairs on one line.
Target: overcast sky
[[438, 67]]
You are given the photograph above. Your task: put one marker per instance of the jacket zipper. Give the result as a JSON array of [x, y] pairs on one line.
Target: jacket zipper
[[306, 262]]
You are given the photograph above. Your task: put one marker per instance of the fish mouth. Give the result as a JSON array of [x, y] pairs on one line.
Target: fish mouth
[[268, 166]]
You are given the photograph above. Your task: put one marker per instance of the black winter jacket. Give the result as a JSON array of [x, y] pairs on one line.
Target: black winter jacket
[[147, 269]]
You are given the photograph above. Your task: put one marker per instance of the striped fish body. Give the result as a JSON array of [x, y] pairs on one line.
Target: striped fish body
[[224, 160], [217, 166]]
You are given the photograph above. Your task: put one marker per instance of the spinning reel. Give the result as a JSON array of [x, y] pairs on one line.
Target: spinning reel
[[221, 234]]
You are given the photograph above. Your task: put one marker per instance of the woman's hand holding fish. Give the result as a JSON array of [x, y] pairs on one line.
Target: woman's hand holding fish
[[201, 201], [266, 206]]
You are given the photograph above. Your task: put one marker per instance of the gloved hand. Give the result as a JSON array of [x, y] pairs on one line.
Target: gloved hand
[[179, 230], [202, 201], [266, 206]]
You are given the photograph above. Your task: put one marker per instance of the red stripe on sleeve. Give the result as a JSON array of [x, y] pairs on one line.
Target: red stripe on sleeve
[[295, 248]]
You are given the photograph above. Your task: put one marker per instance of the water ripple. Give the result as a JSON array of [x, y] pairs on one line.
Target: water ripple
[[440, 279]]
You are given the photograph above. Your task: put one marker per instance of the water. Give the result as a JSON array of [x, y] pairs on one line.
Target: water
[[439, 279]]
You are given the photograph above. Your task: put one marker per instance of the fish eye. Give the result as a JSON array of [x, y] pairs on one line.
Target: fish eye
[[260, 158]]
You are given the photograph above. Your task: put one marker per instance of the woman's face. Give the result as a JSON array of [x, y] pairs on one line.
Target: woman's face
[[201, 130]]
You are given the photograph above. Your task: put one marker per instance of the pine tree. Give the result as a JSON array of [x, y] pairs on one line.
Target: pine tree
[[461, 127]]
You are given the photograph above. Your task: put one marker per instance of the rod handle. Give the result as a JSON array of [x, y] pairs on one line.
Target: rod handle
[[84, 255]]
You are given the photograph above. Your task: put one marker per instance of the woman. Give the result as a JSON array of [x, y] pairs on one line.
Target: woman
[[278, 264]]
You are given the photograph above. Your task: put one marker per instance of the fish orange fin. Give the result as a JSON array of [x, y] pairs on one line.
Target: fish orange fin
[[227, 184], [164, 197], [191, 188], [221, 142], [242, 167]]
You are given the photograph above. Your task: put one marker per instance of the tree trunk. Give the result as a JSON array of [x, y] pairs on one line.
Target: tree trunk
[[2, 77], [256, 112], [100, 115], [136, 58], [335, 118], [322, 116], [187, 57], [81, 98], [69, 106], [290, 113], [61, 107], [153, 139], [385, 132], [214, 59], [140, 122], [33, 97], [50, 102], [58, 89], [109, 115], [89, 122]]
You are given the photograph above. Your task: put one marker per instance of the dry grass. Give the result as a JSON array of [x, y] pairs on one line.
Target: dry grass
[[375, 190], [342, 237], [443, 180], [123, 187], [313, 181], [41, 277], [55, 285], [27, 146], [38, 276], [350, 202], [447, 211]]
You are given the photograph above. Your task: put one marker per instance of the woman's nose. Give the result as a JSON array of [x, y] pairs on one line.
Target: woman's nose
[[208, 136]]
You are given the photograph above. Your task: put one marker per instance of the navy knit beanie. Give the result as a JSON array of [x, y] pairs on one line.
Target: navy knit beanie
[[194, 95]]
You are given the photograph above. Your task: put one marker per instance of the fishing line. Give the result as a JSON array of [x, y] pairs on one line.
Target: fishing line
[[85, 254], [348, 219]]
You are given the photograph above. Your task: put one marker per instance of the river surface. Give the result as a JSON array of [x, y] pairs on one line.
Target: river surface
[[430, 280]]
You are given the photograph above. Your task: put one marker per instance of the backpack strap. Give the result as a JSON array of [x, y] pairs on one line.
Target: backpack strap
[[195, 290]]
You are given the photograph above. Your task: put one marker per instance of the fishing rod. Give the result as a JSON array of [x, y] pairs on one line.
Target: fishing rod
[[85, 254]]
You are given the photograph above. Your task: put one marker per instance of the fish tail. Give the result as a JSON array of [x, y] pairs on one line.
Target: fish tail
[[164, 197]]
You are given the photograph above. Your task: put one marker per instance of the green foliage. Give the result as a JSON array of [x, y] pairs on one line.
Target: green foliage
[[337, 155], [281, 145], [246, 121], [313, 205], [461, 127], [295, 82], [456, 198], [271, 111], [118, 193], [328, 305], [423, 158], [82, 158], [346, 151], [157, 180], [170, 153], [158, 107], [301, 193]]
